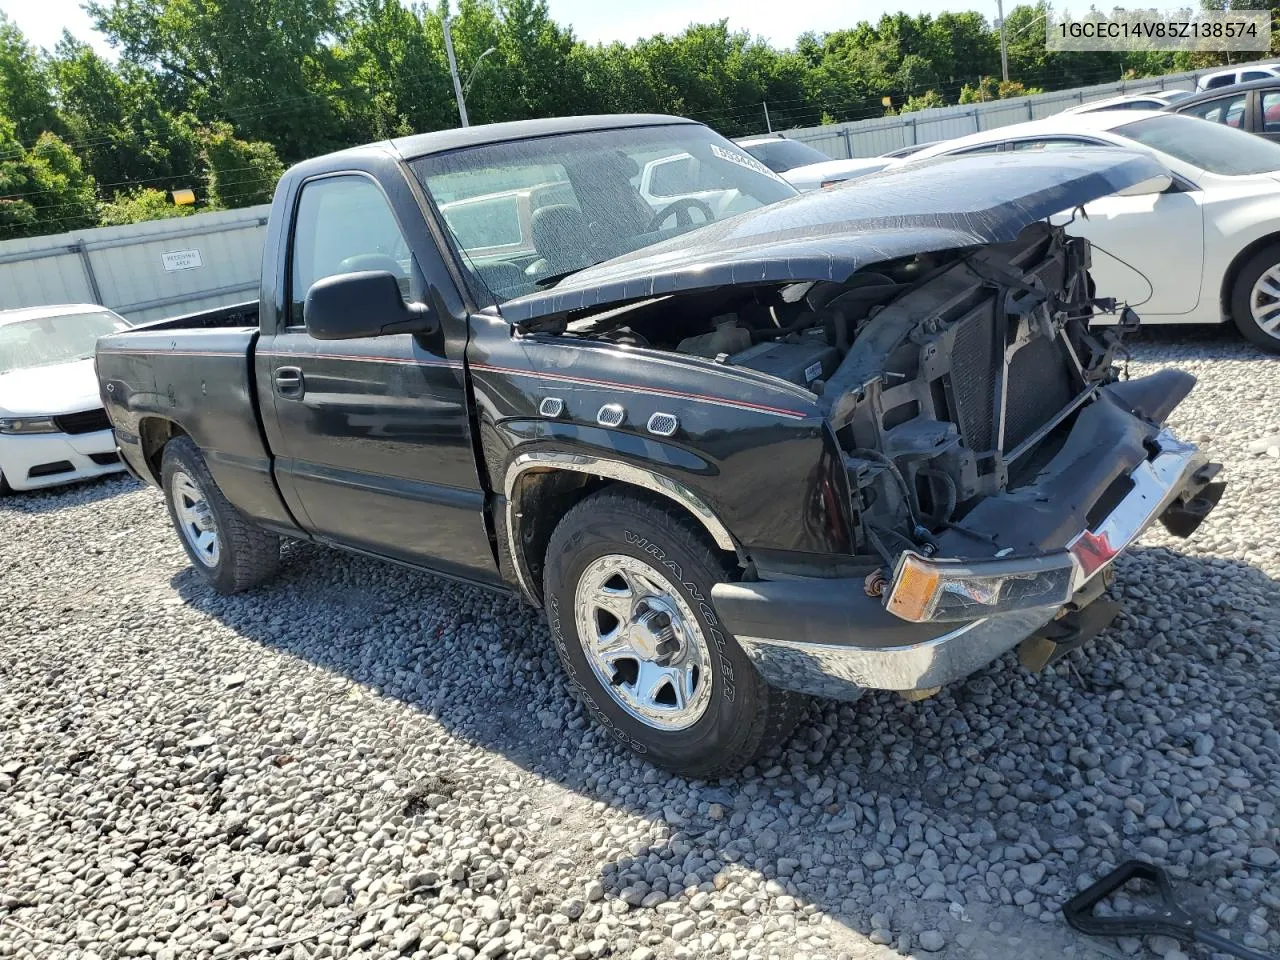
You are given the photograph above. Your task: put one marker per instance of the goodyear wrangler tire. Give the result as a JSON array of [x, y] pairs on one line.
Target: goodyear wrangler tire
[[224, 546], [627, 586]]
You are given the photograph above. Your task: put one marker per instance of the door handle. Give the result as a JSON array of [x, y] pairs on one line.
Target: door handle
[[289, 382]]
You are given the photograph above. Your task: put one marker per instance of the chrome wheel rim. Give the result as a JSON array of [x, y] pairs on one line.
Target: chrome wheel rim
[[195, 519], [643, 642], [1264, 301]]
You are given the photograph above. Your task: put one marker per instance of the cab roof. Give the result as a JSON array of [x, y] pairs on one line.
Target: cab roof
[[439, 141]]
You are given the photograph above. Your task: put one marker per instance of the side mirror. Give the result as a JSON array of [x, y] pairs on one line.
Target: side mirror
[[1155, 184], [365, 304]]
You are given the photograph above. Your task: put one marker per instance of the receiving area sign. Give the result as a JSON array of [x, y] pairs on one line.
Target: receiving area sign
[[181, 260]]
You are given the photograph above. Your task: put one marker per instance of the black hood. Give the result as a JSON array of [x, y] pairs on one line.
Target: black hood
[[831, 234]]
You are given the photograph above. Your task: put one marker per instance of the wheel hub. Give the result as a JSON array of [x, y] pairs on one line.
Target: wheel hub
[[651, 633], [643, 642], [195, 520], [1264, 301]]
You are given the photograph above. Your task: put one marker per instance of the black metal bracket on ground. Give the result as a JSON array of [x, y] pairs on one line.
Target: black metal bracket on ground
[[1185, 514], [1069, 632], [1169, 920]]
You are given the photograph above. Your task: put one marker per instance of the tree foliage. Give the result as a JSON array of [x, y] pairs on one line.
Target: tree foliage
[[145, 203], [214, 95], [241, 173], [44, 188]]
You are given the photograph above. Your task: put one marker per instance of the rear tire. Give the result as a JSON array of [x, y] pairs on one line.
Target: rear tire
[[224, 546], [663, 675], [1255, 299]]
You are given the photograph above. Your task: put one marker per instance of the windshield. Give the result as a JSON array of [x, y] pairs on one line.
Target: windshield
[[45, 341], [783, 155], [1209, 146], [523, 214]]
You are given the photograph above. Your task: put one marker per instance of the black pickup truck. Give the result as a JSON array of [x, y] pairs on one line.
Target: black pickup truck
[[742, 445]]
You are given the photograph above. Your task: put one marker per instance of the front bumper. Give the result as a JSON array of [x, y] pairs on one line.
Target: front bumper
[[826, 637], [38, 460]]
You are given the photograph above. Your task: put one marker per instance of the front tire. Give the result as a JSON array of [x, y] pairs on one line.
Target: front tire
[[225, 548], [627, 587], [1255, 299]]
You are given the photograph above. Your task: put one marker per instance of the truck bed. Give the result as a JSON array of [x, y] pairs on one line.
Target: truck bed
[[234, 315], [196, 372]]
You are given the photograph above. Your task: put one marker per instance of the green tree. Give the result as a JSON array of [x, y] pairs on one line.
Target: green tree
[[43, 189], [923, 101], [25, 95], [117, 123], [398, 78], [241, 173], [268, 66], [145, 203]]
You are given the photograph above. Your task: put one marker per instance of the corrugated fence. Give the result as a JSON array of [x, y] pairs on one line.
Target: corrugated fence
[[144, 271], [870, 138]]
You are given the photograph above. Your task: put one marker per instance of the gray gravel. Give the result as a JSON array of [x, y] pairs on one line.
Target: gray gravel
[[360, 761]]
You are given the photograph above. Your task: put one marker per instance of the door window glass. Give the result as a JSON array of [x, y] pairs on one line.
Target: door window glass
[[1271, 111], [1226, 110], [344, 225], [1054, 143]]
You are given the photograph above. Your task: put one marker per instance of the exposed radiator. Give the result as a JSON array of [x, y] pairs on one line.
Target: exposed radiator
[[1039, 385]]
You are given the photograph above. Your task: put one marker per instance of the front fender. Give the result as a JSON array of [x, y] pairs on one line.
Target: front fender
[[751, 459]]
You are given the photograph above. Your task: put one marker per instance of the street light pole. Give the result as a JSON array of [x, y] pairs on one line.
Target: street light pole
[[475, 68], [1004, 50], [453, 70]]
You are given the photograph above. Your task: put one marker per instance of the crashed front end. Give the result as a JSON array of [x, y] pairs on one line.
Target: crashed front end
[[982, 458], [997, 462]]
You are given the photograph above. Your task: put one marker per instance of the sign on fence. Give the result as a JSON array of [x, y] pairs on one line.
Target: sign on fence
[[181, 260]]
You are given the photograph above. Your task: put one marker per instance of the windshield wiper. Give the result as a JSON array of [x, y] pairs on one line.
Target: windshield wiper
[[551, 280]]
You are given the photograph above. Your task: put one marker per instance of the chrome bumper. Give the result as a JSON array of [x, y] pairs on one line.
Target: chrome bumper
[[843, 670]]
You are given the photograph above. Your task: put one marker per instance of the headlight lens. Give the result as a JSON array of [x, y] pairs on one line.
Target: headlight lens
[[925, 590], [27, 425]]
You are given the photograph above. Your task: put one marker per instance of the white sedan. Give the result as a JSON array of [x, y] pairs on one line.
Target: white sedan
[[53, 428], [1156, 100], [1205, 250], [804, 167]]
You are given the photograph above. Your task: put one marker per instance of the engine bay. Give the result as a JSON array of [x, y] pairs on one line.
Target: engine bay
[[948, 377]]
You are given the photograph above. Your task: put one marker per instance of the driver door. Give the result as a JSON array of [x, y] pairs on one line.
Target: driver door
[[371, 435]]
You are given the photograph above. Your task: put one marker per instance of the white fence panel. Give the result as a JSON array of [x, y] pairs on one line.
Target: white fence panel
[[144, 271], [869, 138]]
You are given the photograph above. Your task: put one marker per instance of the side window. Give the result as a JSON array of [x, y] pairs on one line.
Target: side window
[[970, 151], [1255, 75], [1225, 80], [1271, 111], [673, 178], [1226, 110], [344, 224], [1053, 143]]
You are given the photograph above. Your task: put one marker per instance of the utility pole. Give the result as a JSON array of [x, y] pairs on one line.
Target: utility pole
[[767, 124], [453, 70], [1004, 50]]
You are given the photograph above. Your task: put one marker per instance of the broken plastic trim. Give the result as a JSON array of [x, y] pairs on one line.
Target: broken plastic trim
[[932, 590]]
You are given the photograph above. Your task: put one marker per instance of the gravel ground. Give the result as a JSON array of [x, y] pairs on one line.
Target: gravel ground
[[362, 761]]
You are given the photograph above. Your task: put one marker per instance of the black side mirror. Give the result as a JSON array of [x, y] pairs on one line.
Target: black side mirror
[[365, 304]]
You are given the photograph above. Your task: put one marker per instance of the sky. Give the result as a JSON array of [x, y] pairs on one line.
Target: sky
[[592, 20]]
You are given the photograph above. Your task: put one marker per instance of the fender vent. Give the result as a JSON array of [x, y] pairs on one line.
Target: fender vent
[[663, 424], [611, 415], [551, 407]]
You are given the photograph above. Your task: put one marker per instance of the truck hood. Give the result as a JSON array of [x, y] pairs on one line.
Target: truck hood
[[831, 234], [49, 391]]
